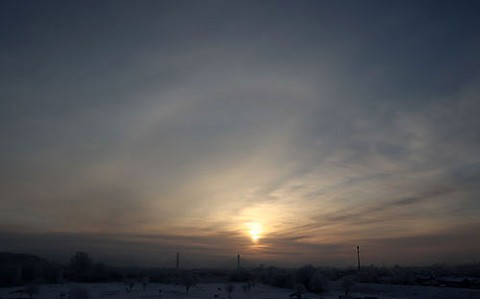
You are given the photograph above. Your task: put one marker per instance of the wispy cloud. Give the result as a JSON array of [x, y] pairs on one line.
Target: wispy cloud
[[327, 125]]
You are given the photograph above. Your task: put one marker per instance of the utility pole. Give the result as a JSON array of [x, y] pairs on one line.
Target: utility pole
[[238, 262], [358, 257], [178, 260]]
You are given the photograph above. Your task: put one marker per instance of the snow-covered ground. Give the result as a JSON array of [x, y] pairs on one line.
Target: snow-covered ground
[[204, 290]]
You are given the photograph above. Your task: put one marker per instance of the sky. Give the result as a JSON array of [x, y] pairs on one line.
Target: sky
[[285, 131]]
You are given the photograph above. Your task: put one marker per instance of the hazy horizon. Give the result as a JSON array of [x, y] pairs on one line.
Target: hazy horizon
[[287, 132]]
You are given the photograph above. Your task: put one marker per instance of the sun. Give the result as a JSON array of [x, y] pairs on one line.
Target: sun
[[255, 231]]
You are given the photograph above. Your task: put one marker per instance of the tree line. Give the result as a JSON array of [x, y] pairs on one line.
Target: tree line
[[23, 269]]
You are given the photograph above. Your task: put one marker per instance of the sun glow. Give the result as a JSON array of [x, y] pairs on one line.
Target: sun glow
[[255, 231]]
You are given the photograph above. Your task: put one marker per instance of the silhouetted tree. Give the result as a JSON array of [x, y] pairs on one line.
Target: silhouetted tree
[[305, 275], [282, 279], [244, 288], [145, 281], [130, 284], [10, 275], [319, 284], [230, 288], [188, 280], [21, 269], [80, 263]]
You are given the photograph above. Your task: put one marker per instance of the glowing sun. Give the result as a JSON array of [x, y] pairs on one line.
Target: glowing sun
[[255, 231]]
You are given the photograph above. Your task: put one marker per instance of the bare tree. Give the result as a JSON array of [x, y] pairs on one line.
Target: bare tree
[[145, 281], [230, 288], [130, 284], [244, 288], [188, 280]]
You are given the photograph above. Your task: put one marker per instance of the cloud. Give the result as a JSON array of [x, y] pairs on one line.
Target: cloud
[[452, 245], [324, 124]]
